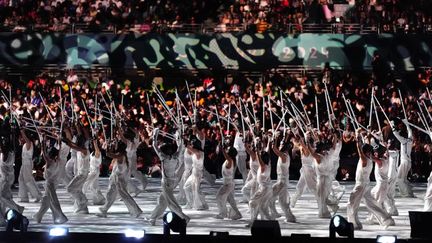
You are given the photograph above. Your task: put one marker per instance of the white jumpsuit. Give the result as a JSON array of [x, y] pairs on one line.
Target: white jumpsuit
[[118, 185], [241, 156], [166, 198], [50, 199], [280, 191], [226, 193], [7, 178], [27, 183], [336, 190], [392, 176], [324, 171], [251, 184], [187, 161], [428, 195], [75, 187], [92, 182], [192, 185], [131, 152], [308, 178], [380, 190], [259, 202], [363, 190], [64, 176], [71, 164], [405, 163]]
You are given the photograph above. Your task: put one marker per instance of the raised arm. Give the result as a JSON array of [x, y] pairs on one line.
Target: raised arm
[[96, 147], [276, 150], [362, 156], [154, 142], [74, 146], [251, 153], [409, 130], [315, 155], [47, 159]]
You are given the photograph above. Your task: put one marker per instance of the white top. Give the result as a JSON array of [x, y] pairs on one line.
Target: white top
[[228, 174], [51, 172], [324, 168], [238, 143], [198, 164], [120, 169], [64, 151], [363, 173], [187, 160], [263, 178], [307, 160], [254, 166], [27, 155], [95, 162], [381, 174], [282, 169], [406, 144], [83, 163], [131, 150], [6, 166]]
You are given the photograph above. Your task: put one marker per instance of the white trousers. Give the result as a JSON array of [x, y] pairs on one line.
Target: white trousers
[[193, 192], [92, 184], [402, 180], [118, 186], [50, 201], [27, 184], [308, 179], [241, 164], [167, 199], [133, 171], [360, 191], [250, 187], [389, 201], [181, 197], [323, 192], [428, 195], [226, 194], [75, 188], [280, 191], [259, 203]]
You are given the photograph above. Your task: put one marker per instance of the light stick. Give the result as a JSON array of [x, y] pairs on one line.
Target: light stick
[[402, 103], [316, 113]]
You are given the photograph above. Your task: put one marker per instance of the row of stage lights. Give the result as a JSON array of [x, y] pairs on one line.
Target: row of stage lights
[[173, 222]]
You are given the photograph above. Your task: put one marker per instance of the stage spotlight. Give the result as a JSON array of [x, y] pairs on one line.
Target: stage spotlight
[[58, 231], [172, 221], [420, 224], [340, 225], [137, 234], [265, 229], [386, 239], [15, 220]]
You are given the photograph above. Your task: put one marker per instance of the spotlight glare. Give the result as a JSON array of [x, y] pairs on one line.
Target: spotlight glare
[[58, 231], [386, 239], [336, 221], [10, 214], [169, 217], [137, 234]]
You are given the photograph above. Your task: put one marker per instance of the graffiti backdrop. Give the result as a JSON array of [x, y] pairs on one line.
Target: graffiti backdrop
[[235, 51]]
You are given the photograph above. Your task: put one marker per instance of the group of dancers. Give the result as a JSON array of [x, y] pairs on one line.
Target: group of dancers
[[73, 146]]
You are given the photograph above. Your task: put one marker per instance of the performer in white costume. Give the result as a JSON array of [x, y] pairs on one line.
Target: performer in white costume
[[168, 154], [241, 155], [27, 183], [75, 187], [226, 192], [251, 184], [389, 201], [324, 171], [92, 182], [280, 188], [131, 139], [200, 134], [187, 171], [71, 164], [64, 176], [308, 177], [363, 190], [7, 177], [336, 190], [192, 184], [428, 195], [405, 160], [259, 202], [118, 184], [51, 174]]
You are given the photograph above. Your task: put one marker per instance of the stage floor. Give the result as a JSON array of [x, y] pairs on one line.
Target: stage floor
[[202, 222]]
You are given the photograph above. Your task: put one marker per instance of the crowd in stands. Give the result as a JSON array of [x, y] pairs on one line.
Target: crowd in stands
[[131, 100], [221, 15]]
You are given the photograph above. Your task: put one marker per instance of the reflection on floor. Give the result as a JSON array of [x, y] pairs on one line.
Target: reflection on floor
[[202, 222]]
